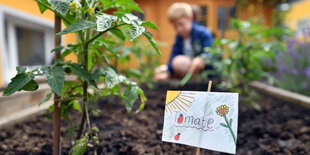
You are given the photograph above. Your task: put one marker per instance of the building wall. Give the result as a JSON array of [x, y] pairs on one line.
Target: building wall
[[30, 7], [299, 11]]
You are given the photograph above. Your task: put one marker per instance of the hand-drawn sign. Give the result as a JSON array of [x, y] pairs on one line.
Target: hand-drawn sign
[[202, 119]]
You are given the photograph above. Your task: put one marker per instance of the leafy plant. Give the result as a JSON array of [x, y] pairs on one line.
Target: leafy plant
[[293, 66], [244, 59], [87, 19]]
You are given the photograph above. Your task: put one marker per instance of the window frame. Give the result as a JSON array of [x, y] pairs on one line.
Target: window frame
[[9, 51]]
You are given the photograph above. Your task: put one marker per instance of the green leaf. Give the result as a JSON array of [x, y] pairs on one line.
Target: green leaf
[[95, 129], [30, 86], [119, 14], [230, 121], [65, 109], [55, 79], [79, 70], [128, 5], [60, 6], [104, 21], [112, 78], [78, 26], [46, 98], [97, 73], [118, 33], [131, 95], [135, 31], [71, 18], [65, 53], [223, 125], [76, 105], [41, 6], [57, 49], [43, 70], [80, 146], [149, 36], [107, 3], [150, 25], [20, 69], [106, 47], [129, 18], [142, 98], [17, 83], [187, 77]]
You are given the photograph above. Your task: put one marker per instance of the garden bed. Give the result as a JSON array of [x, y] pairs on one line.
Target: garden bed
[[280, 128]]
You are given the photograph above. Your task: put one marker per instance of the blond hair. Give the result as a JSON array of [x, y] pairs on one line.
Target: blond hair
[[178, 10]]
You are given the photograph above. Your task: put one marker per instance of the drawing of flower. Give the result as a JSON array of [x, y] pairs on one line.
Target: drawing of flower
[[223, 111]]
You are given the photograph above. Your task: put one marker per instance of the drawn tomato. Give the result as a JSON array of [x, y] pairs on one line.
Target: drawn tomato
[[180, 119], [177, 137]]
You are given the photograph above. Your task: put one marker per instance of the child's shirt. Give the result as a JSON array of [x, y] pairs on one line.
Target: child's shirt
[[188, 49], [194, 46]]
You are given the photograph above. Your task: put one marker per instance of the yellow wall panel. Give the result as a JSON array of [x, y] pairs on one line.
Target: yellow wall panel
[[299, 10], [29, 6]]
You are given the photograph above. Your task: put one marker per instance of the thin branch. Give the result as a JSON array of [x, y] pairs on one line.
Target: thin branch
[[101, 33]]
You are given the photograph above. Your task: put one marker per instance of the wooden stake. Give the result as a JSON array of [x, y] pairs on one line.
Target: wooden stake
[[209, 90], [209, 86], [56, 128]]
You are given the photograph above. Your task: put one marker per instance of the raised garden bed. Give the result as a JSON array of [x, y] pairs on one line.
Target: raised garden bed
[[280, 128]]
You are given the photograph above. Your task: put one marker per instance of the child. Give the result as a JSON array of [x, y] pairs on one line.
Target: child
[[188, 54]]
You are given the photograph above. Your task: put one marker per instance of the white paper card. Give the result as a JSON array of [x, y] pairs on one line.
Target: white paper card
[[202, 119]]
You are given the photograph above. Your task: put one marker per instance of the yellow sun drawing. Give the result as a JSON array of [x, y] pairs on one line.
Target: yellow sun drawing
[[178, 101]]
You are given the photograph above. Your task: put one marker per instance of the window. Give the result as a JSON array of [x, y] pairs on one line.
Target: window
[[303, 27], [203, 19], [30, 47], [224, 13], [26, 40]]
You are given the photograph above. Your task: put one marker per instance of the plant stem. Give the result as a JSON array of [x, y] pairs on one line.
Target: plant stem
[[229, 127], [85, 93], [57, 110], [82, 122]]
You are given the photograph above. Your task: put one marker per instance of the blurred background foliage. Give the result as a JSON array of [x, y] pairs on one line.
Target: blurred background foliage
[[139, 51]]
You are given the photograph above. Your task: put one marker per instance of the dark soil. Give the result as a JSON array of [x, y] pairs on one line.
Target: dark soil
[[280, 128]]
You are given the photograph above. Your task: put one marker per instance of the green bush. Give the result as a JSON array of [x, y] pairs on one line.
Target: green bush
[[243, 60]]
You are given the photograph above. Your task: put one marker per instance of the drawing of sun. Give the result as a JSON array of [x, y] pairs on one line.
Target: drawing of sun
[[178, 101]]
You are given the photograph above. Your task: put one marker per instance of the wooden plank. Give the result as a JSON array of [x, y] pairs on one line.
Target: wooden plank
[[24, 114], [282, 94]]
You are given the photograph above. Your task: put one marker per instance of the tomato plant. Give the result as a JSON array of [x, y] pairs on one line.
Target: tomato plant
[[89, 20]]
